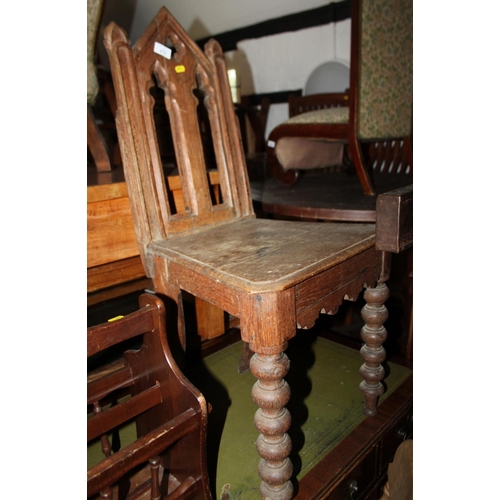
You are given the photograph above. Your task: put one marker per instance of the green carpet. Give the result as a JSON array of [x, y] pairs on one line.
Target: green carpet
[[326, 404]]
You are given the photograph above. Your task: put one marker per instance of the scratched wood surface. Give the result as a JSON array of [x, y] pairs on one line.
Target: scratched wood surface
[[261, 255]]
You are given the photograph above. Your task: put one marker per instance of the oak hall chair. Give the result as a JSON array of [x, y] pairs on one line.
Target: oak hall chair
[[168, 458], [276, 276], [379, 112]]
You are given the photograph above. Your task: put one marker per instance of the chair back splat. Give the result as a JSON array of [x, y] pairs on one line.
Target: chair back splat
[[183, 76], [168, 458]]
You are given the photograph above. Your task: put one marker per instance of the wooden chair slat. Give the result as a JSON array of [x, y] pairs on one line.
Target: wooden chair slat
[[121, 462]]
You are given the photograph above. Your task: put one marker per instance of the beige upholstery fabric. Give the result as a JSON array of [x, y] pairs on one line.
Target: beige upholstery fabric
[[306, 153], [386, 69], [328, 115], [303, 153], [94, 8]]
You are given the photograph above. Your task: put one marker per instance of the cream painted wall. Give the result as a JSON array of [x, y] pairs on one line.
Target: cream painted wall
[[204, 18], [268, 64], [285, 61]]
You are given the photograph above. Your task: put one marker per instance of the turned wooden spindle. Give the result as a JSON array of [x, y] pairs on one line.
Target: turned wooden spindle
[[107, 493], [105, 444], [154, 467], [271, 393], [374, 334]]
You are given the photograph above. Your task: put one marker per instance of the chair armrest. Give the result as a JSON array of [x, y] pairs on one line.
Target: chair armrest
[[394, 224]]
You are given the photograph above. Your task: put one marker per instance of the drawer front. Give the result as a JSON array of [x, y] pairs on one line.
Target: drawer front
[[365, 480], [401, 431], [356, 483]]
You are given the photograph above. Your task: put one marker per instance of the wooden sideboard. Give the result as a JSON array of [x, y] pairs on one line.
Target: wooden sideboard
[[113, 263], [114, 266]]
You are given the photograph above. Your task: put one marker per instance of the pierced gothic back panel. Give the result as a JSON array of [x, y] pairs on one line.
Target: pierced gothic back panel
[[178, 132]]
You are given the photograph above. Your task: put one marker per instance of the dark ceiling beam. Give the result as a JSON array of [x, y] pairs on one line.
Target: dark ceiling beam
[[333, 12]]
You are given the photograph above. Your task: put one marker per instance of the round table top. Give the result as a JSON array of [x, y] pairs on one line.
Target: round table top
[[325, 196]]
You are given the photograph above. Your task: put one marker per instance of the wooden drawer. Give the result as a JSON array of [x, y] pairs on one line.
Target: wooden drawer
[[366, 478], [359, 480], [388, 446]]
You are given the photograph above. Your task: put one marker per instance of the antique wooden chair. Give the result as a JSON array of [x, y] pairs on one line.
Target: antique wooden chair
[[169, 412], [379, 112], [274, 275]]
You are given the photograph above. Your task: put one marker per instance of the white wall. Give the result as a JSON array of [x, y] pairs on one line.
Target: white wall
[[205, 18], [268, 64], [284, 61]]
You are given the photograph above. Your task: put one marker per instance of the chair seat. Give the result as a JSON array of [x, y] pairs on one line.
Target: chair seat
[[261, 255], [308, 153], [302, 142]]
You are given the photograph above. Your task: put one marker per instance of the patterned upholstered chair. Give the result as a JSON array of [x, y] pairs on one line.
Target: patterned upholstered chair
[[326, 88], [379, 111]]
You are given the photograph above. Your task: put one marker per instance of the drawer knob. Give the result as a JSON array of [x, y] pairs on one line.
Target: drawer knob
[[406, 430], [403, 434], [353, 489]]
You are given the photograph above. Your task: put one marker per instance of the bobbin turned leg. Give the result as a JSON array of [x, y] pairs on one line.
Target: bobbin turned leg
[[374, 334], [271, 393]]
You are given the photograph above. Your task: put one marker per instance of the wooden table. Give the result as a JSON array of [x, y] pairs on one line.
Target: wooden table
[[330, 196]]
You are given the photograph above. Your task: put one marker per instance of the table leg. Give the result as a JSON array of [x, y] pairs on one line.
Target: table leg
[[271, 393], [374, 334]]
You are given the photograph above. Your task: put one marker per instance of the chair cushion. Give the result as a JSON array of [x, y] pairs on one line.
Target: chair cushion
[[303, 153]]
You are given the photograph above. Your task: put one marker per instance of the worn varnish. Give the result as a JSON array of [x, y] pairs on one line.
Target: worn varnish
[[273, 275]]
